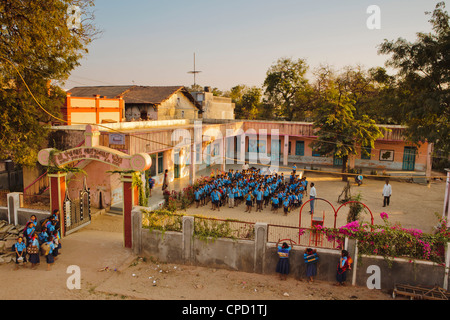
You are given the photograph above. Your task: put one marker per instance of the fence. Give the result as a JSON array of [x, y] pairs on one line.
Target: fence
[[301, 236], [219, 228]]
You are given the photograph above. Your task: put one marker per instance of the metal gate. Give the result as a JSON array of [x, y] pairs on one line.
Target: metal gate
[[77, 213]]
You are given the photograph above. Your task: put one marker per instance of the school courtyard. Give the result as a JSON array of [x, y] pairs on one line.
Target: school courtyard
[[110, 271]]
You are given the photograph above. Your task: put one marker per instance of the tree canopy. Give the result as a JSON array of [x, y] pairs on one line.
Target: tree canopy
[[423, 79], [38, 49]]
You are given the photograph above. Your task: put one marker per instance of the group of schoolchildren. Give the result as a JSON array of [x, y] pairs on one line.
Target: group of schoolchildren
[[39, 238], [252, 188]]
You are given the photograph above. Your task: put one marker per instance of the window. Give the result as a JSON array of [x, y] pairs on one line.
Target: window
[[366, 157], [160, 162], [299, 148]]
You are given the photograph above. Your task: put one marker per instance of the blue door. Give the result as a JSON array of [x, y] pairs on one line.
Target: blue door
[[409, 158]]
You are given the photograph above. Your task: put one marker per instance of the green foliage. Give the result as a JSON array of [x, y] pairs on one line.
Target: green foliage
[[423, 81], [284, 83], [162, 220], [340, 130], [36, 42], [392, 240]]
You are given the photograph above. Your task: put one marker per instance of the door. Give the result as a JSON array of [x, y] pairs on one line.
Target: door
[[300, 148], [337, 162], [275, 150], [409, 158], [176, 169]]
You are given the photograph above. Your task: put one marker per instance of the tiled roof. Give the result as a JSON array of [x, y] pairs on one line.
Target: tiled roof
[[154, 95]]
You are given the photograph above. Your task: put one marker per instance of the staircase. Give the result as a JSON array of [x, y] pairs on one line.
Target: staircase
[[41, 185]]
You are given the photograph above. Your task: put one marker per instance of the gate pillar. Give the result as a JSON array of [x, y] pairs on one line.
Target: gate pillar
[[57, 183], [130, 199]]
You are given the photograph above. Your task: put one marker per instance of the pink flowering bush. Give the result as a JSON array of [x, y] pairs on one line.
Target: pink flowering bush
[[392, 241]]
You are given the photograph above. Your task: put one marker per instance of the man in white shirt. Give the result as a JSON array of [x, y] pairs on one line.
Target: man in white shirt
[[312, 196], [387, 192]]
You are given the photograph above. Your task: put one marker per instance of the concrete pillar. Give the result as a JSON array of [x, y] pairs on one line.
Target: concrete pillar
[[224, 154], [188, 239], [446, 212], [429, 161], [57, 182], [13, 200], [192, 165], [130, 200], [136, 226], [351, 245], [286, 150], [260, 246], [447, 266], [242, 149]]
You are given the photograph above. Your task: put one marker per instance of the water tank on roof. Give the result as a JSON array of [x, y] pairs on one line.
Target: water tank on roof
[[207, 89]]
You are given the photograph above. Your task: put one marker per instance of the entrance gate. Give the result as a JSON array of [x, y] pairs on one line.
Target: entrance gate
[[127, 165], [77, 213]]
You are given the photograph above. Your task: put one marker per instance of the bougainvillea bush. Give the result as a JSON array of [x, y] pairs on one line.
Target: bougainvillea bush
[[392, 240]]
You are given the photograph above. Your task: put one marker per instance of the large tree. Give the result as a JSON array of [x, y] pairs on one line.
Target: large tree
[[284, 81], [340, 131], [424, 81], [41, 42]]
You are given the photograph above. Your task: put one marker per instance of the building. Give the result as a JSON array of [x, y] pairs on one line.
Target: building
[[214, 107], [109, 104]]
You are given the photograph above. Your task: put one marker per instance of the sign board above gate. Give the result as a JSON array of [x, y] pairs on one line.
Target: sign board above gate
[[93, 151], [123, 161]]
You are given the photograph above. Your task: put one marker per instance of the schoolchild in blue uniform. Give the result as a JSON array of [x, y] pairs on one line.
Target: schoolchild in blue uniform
[[249, 200], [43, 235], [286, 205], [197, 197], [34, 257], [20, 249], [275, 203], [259, 199], [49, 257]]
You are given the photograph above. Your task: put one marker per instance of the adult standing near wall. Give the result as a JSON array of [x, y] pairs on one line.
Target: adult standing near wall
[[387, 192], [312, 196], [166, 180]]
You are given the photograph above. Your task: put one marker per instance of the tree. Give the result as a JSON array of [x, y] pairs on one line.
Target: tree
[[39, 47], [339, 132], [284, 80], [424, 81], [248, 101]]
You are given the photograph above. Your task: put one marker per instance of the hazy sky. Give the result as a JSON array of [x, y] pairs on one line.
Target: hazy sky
[[149, 42]]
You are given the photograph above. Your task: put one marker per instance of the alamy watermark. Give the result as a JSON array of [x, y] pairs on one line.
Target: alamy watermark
[[374, 20], [74, 17]]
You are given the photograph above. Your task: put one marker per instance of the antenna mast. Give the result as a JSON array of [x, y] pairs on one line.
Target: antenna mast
[[194, 72]]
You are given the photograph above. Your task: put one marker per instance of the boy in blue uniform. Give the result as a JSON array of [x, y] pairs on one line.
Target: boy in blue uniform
[[20, 249]]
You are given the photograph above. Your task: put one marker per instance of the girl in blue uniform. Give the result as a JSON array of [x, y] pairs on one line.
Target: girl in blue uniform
[[283, 261], [49, 257], [34, 247]]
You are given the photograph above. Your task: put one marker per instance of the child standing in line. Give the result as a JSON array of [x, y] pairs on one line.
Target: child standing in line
[[21, 252], [197, 197], [310, 256], [343, 266], [33, 250], [286, 205], [49, 255], [275, 203], [249, 201], [283, 261]]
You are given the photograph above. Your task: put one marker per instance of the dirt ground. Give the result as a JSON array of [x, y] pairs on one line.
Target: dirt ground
[[129, 277], [412, 205]]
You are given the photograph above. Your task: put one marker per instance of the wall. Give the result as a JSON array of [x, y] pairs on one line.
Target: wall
[[260, 256], [172, 108]]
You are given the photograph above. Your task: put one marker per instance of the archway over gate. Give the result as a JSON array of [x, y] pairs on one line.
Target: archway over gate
[[126, 164]]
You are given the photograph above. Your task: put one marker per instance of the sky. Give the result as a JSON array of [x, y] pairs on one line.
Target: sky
[[149, 42]]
